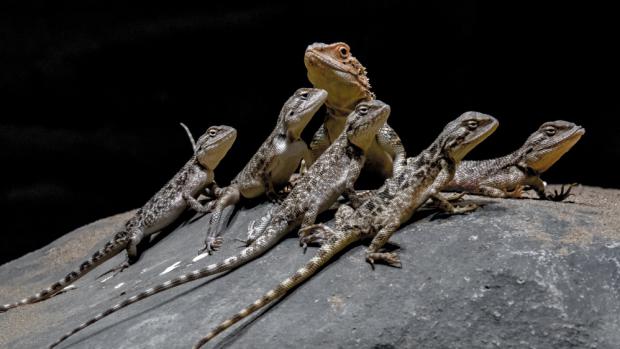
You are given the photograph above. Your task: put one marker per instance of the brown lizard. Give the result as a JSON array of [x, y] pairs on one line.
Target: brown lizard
[[160, 211], [381, 215], [333, 68], [509, 175], [333, 174], [273, 163]]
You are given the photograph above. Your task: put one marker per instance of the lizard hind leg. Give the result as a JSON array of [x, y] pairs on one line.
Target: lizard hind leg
[[376, 253], [228, 196], [133, 254]]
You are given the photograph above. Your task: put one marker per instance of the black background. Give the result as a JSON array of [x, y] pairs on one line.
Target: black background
[[92, 91]]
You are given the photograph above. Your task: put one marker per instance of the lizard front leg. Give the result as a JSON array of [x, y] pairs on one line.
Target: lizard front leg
[[562, 194], [349, 191], [213, 191], [303, 168], [195, 204], [540, 187], [389, 141], [320, 142]]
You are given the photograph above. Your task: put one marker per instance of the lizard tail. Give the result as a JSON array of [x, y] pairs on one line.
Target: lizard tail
[[110, 249], [323, 255], [261, 246]]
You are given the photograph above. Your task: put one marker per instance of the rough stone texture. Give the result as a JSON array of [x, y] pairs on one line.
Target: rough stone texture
[[514, 274]]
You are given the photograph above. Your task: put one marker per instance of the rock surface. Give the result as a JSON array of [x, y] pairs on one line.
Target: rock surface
[[514, 274]]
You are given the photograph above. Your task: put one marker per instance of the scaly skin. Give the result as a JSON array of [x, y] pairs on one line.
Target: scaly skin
[[333, 68], [333, 174], [161, 210], [509, 175], [273, 163], [392, 205]]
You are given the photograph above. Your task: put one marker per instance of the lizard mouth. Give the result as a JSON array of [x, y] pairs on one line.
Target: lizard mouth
[[569, 140], [313, 59], [550, 154]]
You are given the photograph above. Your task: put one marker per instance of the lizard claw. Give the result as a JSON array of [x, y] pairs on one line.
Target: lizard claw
[[292, 182], [563, 194], [245, 242], [212, 244], [313, 234], [389, 258], [465, 208], [274, 198], [455, 197]]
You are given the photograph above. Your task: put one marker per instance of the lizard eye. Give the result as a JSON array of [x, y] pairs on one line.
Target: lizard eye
[[304, 95], [550, 131], [362, 109], [344, 53], [472, 124], [212, 132]]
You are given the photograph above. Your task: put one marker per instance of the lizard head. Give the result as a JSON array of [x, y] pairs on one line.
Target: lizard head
[[466, 132], [547, 145], [214, 144], [299, 109], [365, 121], [333, 68]]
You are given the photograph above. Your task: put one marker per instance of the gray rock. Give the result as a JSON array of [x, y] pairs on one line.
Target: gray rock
[[514, 274]]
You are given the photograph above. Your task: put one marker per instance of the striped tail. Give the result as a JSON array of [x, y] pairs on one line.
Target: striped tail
[[323, 255], [261, 245], [111, 248]]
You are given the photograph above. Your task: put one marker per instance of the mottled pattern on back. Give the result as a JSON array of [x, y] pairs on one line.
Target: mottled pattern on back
[[163, 208], [167, 197]]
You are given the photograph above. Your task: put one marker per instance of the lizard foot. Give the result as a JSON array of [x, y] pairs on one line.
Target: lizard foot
[[294, 179], [316, 234], [246, 242], [455, 197], [458, 209], [562, 195], [116, 270], [275, 198], [292, 182], [389, 258], [211, 245]]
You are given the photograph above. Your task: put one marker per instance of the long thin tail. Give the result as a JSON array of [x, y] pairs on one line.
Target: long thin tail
[[323, 255], [110, 249], [260, 246]]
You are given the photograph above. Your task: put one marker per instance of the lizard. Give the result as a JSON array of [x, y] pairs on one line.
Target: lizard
[[273, 163], [508, 176], [158, 212], [382, 214], [333, 174], [333, 68]]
